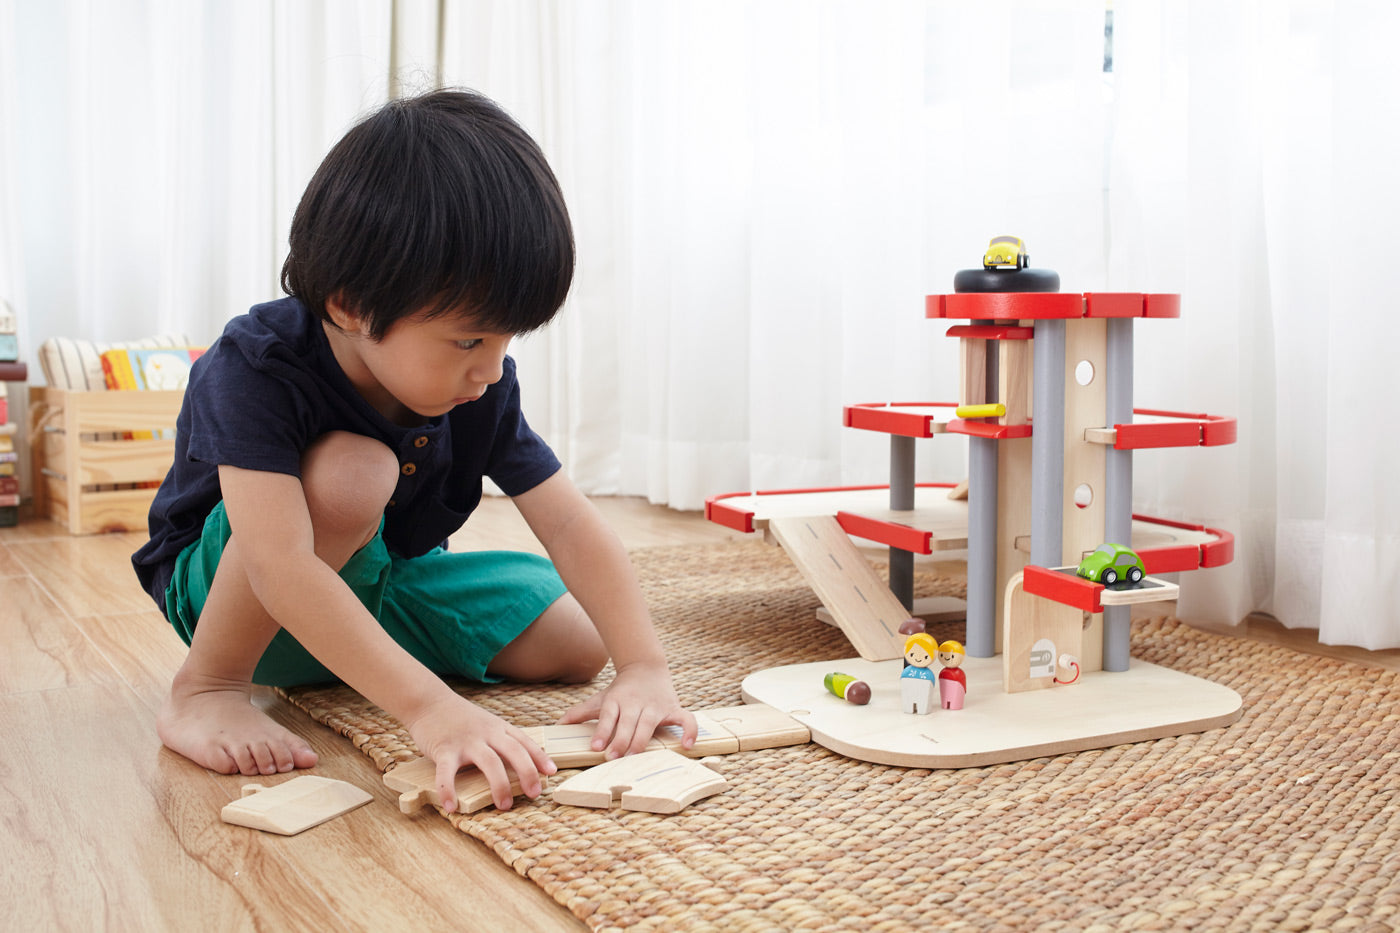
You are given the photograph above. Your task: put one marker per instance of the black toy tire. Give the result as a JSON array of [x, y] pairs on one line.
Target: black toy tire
[[1006, 280]]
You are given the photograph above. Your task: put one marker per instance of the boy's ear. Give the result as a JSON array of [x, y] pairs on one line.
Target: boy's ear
[[341, 316]]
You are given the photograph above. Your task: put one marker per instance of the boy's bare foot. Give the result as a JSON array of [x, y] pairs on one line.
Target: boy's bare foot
[[217, 726]]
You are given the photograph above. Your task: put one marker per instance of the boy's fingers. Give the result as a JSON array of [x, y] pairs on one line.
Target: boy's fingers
[[447, 785], [495, 774], [607, 728], [581, 712], [690, 729], [543, 763], [631, 735], [522, 762]]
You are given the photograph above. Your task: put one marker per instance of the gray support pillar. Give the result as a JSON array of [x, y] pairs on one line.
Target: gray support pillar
[[902, 500], [1118, 482], [1048, 444], [981, 548]]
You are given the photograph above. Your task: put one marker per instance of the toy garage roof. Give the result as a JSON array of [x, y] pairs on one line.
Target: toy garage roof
[[1034, 306]]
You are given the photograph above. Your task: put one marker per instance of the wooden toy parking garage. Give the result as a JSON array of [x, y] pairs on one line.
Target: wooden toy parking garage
[[1045, 396]]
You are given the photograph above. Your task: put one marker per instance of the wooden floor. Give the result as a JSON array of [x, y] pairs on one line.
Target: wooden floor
[[105, 829]]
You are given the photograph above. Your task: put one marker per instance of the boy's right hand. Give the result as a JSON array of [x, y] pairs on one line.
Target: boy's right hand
[[455, 733]]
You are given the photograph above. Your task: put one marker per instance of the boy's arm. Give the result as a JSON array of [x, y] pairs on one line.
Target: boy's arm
[[595, 567], [272, 527]]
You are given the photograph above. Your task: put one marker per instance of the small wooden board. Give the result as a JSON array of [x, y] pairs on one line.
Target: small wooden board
[[570, 745], [293, 806], [711, 738], [758, 726], [658, 781], [416, 782]]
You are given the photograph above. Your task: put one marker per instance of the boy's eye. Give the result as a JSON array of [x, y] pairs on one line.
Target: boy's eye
[[471, 344]]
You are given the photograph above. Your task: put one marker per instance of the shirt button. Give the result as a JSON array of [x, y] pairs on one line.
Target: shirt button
[[420, 441], [409, 469]]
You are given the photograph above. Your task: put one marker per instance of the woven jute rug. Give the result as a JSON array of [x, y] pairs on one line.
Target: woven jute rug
[[1287, 820]]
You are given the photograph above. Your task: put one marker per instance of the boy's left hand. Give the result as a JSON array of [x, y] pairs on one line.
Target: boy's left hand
[[631, 708]]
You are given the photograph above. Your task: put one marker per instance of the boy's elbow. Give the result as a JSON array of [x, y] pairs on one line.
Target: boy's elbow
[[272, 573]]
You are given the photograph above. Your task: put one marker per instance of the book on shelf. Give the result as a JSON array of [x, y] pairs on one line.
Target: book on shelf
[[153, 368]]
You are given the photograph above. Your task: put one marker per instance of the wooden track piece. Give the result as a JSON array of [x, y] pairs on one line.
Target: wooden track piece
[[860, 602], [293, 806], [712, 738], [758, 726], [658, 781], [570, 745], [721, 732], [416, 782]]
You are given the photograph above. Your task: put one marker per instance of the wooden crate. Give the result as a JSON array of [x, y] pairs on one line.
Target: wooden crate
[[88, 473]]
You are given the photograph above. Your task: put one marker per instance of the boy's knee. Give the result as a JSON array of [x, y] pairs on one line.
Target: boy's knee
[[584, 664], [561, 646], [348, 479], [584, 654]]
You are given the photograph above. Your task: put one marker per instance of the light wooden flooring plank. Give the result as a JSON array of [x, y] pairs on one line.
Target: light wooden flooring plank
[[86, 575], [41, 648], [87, 688], [140, 647], [9, 564], [115, 831]]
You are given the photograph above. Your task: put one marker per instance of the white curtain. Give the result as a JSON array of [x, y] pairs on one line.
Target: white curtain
[[1251, 173], [161, 145], [763, 192]]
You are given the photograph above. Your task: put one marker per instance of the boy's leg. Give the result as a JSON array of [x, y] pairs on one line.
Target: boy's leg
[[208, 716], [490, 615], [561, 645]]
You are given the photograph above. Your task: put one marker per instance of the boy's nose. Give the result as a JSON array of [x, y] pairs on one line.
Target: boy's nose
[[489, 368]]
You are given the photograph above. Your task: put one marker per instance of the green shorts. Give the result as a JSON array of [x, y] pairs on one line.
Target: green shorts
[[453, 611]]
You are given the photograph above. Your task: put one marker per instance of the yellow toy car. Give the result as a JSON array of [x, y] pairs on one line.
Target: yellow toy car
[[1006, 252]]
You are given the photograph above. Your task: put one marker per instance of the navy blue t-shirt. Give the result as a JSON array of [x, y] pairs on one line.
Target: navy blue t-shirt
[[270, 386]]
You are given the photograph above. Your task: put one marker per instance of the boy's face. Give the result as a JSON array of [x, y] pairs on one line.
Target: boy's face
[[427, 366]]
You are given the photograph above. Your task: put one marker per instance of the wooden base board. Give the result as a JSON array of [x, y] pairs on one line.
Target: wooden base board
[[1100, 710]]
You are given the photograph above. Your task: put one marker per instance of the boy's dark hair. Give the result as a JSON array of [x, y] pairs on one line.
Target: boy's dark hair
[[438, 202]]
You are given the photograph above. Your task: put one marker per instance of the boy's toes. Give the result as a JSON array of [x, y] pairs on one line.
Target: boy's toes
[[304, 757]]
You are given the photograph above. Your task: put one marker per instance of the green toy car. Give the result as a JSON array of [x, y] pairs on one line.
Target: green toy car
[[1112, 563]]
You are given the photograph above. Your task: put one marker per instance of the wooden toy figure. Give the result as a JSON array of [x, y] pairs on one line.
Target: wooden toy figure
[[952, 680], [916, 682], [912, 626]]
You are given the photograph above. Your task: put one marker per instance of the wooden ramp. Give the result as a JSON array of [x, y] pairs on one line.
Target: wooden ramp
[[858, 600]]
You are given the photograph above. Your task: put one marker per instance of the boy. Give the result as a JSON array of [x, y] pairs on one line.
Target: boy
[[329, 442]]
